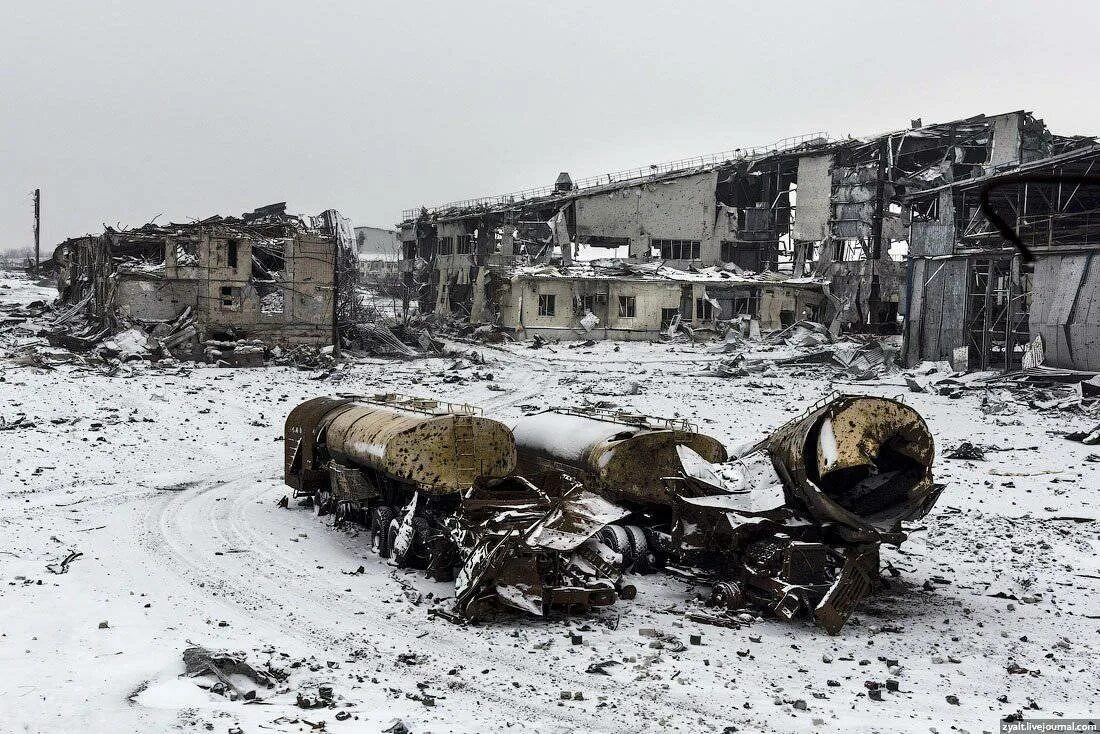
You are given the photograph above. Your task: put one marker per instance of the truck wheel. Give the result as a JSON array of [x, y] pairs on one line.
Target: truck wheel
[[641, 549], [391, 541], [421, 539], [381, 517], [617, 539]]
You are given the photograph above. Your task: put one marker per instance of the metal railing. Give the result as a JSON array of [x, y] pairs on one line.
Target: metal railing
[[627, 175], [429, 406]]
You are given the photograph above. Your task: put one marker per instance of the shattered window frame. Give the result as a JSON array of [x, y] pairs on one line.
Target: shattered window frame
[[446, 245], [704, 310], [547, 304], [628, 307], [674, 249], [229, 298], [668, 315]]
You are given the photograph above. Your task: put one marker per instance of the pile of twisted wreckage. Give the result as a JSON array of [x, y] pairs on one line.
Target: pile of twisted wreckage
[[554, 510]]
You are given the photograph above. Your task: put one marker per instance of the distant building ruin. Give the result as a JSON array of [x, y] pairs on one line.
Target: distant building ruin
[[266, 275], [808, 228]]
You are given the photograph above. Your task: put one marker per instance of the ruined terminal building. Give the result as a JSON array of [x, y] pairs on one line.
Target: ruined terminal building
[[808, 228], [267, 275], [974, 298]]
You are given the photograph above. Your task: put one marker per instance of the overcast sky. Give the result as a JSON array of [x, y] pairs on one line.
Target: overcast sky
[[123, 111]]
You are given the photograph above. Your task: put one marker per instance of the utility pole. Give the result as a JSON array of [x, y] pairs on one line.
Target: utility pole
[[336, 253], [37, 228]]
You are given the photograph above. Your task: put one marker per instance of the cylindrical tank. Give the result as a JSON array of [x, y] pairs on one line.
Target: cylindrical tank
[[622, 456], [432, 447], [863, 462]]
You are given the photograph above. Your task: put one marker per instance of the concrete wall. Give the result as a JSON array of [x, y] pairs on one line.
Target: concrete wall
[[155, 299], [306, 316], [520, 309], [815, 187], [681, 208]]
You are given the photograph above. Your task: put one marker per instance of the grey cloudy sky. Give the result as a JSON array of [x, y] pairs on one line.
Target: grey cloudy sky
[[122, 111]]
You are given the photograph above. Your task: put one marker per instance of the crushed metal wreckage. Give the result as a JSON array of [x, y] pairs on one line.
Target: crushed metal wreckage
[[552, 512], [435, 484], [799, 530]]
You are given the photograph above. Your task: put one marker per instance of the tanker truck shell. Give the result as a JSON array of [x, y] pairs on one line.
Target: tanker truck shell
[[622, 456], [860, 461], [425, 445]]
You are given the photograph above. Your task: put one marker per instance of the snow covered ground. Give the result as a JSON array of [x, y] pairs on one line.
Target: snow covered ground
[[168, 482]]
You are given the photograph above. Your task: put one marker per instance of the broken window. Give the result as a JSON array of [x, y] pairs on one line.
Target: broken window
[[465, 244], [230, 298], [627, 306], [546, 304], [231, 253], [704, 309], [745, 255], [273, 302], [601, 241], [676, 249], [667, 316], [446, 245], [591, 302], [741, 303], [187, 252]]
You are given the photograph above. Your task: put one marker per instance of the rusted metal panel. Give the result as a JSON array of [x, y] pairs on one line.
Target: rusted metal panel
[[421, 443], [300, 470]]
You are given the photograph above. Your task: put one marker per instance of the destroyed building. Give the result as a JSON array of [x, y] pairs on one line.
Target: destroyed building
[[978, 301], [809, 228], [378, 251], [266, 276]]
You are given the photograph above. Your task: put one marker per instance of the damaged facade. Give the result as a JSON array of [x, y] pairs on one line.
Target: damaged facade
[[807, 229], [977, 301], [266, 276]]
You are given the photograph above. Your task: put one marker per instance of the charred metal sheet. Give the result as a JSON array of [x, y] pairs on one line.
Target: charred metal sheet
[[533, 552], [842, 597]]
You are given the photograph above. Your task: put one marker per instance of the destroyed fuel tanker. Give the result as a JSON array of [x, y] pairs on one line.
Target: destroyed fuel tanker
[[434, 482], [622, 456], [794, 525]]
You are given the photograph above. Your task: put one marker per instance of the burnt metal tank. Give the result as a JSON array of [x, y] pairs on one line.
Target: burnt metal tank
[[622, 455], [860, 461], [435, 447]]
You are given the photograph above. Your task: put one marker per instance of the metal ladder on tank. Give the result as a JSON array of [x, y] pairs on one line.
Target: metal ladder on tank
[[465, 448]]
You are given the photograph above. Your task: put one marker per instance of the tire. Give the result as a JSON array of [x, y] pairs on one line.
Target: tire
[[418, 549], [391, 541], [381, 517], [345, 512], [641, 549], [617, 539]]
